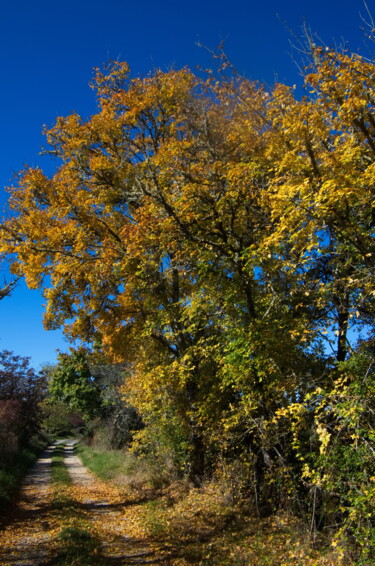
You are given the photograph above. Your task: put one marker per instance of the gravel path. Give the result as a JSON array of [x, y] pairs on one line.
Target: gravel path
[[78, 472]]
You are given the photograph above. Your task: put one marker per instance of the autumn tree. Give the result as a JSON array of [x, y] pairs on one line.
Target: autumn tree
[[218, 239], [122, 257]]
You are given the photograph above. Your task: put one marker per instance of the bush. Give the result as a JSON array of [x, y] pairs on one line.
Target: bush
[[21, 390]]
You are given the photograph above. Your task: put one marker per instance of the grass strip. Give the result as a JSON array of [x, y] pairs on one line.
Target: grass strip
[[61, 481], [77, 545], [59, 471]]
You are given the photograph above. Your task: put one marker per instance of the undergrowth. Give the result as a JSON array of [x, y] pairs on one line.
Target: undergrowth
[[13, 470], [203, 529]]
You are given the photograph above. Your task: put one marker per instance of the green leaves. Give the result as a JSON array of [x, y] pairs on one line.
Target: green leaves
[[72, 383]]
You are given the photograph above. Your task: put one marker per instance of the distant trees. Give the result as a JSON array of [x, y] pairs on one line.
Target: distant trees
[[83, 392], [71, 382], [217, 238], [59, 419]]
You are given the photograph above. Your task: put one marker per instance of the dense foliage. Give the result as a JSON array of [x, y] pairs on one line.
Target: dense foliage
[[21, 391], [219, 239], [84, 396]]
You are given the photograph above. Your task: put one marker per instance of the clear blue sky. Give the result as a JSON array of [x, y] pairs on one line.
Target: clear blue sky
[[49, 48]]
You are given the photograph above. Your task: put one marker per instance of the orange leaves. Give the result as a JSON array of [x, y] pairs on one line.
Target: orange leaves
[[166, 91]]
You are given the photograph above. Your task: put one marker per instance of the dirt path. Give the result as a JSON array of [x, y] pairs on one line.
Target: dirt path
[[30, 539], [25, 542], [111, 517]]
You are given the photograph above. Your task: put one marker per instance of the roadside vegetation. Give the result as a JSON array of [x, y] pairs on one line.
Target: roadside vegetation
[[210, 525], [13, 470], [21, 438]]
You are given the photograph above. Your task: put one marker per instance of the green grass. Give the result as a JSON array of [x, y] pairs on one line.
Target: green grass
[[124, 468], [59, 471], [106, 464], [77, 546]]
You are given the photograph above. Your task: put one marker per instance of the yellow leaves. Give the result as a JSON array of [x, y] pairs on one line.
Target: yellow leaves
[[192, 230], [169, 90], [324, 437], [118, 73]]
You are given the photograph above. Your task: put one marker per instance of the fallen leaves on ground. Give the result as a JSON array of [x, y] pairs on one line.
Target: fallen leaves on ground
[[43, 515], [177, 527]]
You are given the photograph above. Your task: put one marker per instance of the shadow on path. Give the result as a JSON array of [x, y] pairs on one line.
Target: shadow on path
[[30, 537]]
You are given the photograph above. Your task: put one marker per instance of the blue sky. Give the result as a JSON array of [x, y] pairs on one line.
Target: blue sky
[[48, 50]]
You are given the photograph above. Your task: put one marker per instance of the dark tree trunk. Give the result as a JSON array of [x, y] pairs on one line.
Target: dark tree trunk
[[342, 321]]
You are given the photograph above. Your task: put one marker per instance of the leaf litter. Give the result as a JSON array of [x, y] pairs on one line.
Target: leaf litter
[[34, 535]]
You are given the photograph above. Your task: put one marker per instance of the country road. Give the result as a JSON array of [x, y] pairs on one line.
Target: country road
[[32, 536]]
